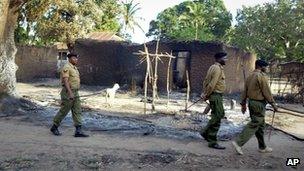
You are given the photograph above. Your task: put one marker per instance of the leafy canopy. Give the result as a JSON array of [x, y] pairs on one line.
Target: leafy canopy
[[192, 20], [273, 31], [48, 21]]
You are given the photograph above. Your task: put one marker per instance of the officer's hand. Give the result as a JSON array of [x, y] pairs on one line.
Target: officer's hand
[[244, 108], [71, 96], [275, 108], [204, 98]]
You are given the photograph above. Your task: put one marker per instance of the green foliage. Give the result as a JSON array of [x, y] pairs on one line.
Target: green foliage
[[67, 20], [49, 21], [25, 32], [129, 11], [110, 18], [22, 35], [273, 31], [193, 20]]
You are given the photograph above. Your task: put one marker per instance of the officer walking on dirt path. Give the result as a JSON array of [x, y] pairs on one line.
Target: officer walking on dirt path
[[70, 100], [258, 92], [214, 87]]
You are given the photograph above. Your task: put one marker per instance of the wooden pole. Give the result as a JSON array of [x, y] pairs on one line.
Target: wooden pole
[[188, 90], [168, 83], [149, 72], [155, 77], [146, 78]]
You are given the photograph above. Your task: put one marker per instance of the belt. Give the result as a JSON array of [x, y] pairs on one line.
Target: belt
[[71, 88], [262, 101], [217, 93]]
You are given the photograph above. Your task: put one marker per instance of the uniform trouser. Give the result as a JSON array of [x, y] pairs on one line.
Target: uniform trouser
[[217, 113], [66, 106], [256, 126]]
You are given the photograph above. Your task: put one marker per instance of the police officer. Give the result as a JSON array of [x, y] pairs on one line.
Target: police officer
[[214, 87], [258, 92], [69, 97]]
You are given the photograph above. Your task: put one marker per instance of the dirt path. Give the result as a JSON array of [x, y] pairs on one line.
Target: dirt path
[[172, 143], [24, 146]]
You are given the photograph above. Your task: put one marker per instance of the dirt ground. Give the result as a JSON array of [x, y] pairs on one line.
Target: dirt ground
[[121, 137]]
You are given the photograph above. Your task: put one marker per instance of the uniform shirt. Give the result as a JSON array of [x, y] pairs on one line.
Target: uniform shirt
[[215, 80], [71, 72], [257, 88]]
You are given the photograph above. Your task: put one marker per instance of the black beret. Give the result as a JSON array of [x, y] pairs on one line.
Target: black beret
[[261, 63], [220, 55], [72, 54]]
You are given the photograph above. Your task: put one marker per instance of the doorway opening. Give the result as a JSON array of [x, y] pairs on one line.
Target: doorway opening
[[180, 66]]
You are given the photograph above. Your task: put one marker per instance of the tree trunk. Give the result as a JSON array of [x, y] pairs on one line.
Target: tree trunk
[[8, 20]]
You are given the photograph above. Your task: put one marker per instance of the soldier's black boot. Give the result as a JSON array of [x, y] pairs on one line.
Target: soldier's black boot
[[217, 146], [204, 135], [79, 133], [55, 130]]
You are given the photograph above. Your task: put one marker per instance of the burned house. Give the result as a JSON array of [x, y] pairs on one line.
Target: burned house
[[98, 36], [196, 57], [104, 63], [107, 62]]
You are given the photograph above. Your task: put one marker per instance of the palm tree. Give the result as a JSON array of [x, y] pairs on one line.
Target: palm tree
[[129, 15], [195, 16]]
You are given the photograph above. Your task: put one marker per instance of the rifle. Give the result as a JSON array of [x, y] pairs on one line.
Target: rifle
[[88, 95], [207, 109], [272, 121]]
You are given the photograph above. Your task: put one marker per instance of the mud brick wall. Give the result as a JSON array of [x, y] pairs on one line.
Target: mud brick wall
[[35, 62], [199, 62], [239, 64], [202, 58], [107, 62]]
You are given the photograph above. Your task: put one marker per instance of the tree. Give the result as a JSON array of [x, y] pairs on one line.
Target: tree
[[129, 15], [61, 20], [8, 18], [110, 18], [273, 31], [192, 20], [48, 20], [66, 20]]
